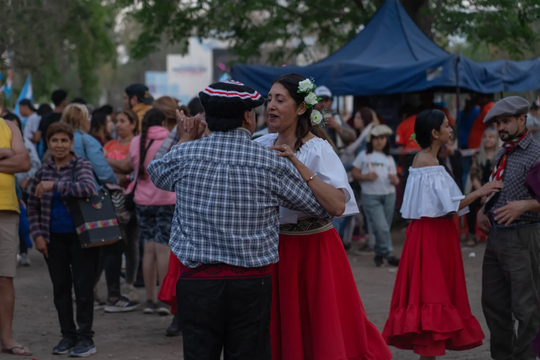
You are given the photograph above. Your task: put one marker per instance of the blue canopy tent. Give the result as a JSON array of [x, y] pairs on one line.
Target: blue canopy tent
[[392, 55]]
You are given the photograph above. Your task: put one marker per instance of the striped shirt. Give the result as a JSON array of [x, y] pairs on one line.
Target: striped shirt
[[228, 192], [39, 210]]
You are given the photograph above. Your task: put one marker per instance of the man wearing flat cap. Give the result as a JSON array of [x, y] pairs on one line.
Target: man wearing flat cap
[[226, 224], [511, 276]]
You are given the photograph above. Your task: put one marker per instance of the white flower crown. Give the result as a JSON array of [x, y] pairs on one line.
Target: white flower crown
[[306, 87]]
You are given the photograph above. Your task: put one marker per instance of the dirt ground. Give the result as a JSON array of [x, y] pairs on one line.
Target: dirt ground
[[138, 336]]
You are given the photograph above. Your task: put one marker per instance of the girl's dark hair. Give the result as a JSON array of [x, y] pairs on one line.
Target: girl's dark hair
[[426, 122], [195, 106], [386, 149], [107, 109], [97, 123], [304, 127], [153, 117], [44, 109]]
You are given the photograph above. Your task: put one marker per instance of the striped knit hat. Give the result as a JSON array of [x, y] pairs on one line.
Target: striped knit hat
[[229, 100]]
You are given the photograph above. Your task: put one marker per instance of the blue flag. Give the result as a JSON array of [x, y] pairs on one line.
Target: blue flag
[[26, 93]]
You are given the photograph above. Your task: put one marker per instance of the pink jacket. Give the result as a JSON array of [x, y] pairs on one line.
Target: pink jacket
[[146, 193]]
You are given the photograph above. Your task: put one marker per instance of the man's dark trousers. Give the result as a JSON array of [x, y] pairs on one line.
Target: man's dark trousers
[[510, 287], [232, 315]]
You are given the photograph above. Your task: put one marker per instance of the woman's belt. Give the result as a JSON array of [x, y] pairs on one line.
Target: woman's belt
[[306, 226]]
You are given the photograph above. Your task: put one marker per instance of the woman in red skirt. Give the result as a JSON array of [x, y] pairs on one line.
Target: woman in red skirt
[[430, 310], [317, 313]]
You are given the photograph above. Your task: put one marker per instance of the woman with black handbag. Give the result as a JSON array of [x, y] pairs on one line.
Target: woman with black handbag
[[63, 176]]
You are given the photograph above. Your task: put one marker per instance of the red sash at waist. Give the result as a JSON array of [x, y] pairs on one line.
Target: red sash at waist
[[223, 271]]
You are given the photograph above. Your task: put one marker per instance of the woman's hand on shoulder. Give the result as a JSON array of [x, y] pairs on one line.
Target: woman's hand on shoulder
[[284, 151]]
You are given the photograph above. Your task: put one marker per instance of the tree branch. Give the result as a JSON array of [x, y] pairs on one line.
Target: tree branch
[[290, 11], [360, 5]]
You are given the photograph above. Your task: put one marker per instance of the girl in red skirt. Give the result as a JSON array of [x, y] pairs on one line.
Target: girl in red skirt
[[430, 310], [317, 313]]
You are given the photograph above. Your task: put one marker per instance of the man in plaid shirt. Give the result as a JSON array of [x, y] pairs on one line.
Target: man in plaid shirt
[[226, 224], [510, 272]]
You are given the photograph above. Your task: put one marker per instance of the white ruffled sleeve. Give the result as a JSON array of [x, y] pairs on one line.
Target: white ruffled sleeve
[[431, 192], [319, 156]]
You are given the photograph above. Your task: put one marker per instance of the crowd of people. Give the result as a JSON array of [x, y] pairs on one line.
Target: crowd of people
[[208, 202]]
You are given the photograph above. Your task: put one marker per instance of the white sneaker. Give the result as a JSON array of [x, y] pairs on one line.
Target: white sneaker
[[150, 307], [25, 260], [162, 309]]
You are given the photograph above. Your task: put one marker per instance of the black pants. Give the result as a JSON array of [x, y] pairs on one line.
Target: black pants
[[110, 260], [510, 287], [233, 315], [71, 266], [23, 248]]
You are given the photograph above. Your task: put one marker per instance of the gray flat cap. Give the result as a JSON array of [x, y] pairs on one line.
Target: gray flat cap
[[509, 106]]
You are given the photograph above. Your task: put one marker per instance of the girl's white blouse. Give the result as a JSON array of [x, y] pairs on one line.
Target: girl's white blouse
[[431, 192], [319, 156]]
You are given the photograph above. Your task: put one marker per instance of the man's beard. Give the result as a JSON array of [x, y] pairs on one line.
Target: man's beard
[[507, 136]]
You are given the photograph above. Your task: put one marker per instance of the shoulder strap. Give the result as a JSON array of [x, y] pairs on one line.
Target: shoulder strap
[[83, 146], [369, 163]]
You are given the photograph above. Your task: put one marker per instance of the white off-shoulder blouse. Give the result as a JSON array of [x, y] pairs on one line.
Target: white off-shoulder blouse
[[319, 156], [431, 192]]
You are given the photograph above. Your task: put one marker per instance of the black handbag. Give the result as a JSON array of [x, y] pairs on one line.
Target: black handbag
[[130, 197], [94, 217]]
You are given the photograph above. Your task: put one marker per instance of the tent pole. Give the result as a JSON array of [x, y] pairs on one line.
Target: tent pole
[[458, 120]]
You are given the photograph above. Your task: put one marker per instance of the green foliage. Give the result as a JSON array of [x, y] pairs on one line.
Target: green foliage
[[512, 26], [259, 28], [61, 43]]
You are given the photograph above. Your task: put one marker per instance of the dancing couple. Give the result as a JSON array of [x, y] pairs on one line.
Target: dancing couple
[[244, 205]]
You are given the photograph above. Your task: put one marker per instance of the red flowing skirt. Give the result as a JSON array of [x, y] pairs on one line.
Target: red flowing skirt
[[430, 309], [167, 292], [317, 313]]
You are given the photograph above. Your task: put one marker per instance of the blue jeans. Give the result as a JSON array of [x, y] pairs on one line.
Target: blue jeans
[[341, 225], [379, 210]]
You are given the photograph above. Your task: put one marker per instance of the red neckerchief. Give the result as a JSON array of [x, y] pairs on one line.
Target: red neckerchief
[[509, 146], [498, 170]]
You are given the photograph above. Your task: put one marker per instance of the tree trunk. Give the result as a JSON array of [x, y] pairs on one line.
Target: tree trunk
[[418, 10]]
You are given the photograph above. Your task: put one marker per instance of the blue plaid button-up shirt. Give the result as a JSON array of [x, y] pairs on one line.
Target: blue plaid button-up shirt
[[228, 190]]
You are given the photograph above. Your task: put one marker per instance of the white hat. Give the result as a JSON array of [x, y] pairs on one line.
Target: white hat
[[323, 91], [379, 130]]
